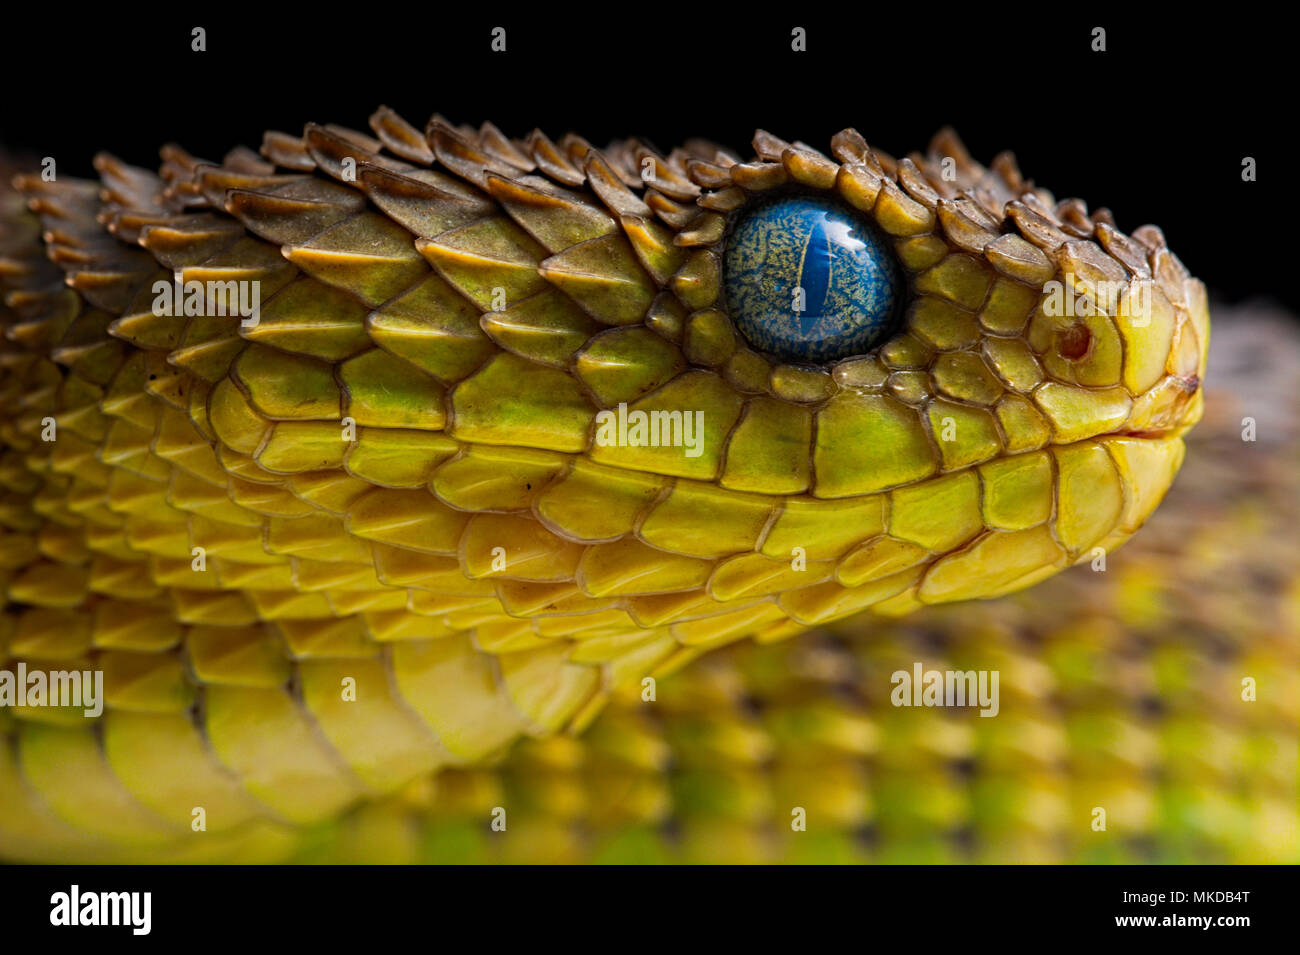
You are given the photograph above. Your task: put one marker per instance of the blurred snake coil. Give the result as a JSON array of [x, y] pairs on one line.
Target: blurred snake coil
[[335, 563]]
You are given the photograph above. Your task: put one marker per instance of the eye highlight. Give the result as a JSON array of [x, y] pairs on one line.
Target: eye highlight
[[808, 280]]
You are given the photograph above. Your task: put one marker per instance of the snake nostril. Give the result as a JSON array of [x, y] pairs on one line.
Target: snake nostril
[[1073, 341]]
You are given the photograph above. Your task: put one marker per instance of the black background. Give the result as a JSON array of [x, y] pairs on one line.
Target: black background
[[1154, 128]]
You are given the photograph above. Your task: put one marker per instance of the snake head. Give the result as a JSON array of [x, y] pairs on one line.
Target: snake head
[[1009, 374]]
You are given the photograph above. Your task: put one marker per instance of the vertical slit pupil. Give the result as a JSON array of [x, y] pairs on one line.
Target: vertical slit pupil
[[816, 277], [808, 279]]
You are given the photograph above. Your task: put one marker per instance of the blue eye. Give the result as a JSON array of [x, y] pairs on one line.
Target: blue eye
[[808, 280]]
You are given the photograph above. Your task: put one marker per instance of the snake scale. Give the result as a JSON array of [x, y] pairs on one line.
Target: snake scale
[[373, 535]]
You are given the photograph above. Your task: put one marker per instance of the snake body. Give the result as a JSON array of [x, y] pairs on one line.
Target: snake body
[[374, 534]]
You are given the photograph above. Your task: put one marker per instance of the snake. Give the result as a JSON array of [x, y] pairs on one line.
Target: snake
[[517, 427]]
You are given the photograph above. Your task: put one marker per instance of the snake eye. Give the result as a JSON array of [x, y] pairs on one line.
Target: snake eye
[[807, 279]]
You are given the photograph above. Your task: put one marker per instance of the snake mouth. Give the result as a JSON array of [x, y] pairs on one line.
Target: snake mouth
[[1179, 410]]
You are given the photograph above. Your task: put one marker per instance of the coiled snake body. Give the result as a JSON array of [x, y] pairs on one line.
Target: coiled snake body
[[373, 533]]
